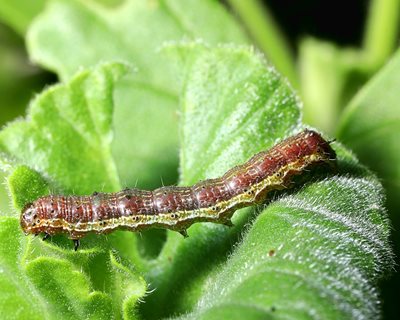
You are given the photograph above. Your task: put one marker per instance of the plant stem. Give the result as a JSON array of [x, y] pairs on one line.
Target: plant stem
[[381, 35]]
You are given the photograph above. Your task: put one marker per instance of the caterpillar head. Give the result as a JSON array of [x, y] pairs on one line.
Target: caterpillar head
[[30, 220]]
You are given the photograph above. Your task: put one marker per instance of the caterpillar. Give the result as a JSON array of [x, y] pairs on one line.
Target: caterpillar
[[177, 208]]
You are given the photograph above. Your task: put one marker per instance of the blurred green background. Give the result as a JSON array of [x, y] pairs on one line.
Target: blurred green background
[[327, 50]]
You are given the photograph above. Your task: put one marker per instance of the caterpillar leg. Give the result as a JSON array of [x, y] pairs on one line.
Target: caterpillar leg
[[46, 236], [184, 233], [76, 243]]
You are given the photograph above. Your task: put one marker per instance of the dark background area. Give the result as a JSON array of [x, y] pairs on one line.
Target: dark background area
[[341, 22]]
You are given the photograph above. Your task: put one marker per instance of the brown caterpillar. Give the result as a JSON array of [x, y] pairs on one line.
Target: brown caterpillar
[[177, 208]]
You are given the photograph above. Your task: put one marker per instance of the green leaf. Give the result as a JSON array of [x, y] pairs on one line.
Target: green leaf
[[317, 251], [70, 34], [4, 197], [17, 299], [67, 290], [370, 126], [67, 138], [126, 291]]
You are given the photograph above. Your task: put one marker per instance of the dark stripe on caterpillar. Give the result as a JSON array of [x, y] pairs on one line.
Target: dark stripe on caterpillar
[[177, 208]]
